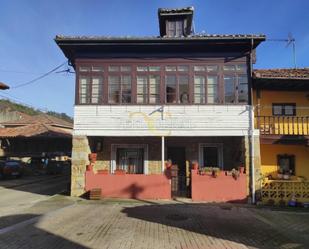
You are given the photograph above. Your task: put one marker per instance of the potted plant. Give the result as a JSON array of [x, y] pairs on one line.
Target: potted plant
[[215, 172], [89, 167], [292, 201], [280, 174], [168, 164], [195, 165], [207, 170], [241, 169], [92, 157], [286, 175], [235, 174]]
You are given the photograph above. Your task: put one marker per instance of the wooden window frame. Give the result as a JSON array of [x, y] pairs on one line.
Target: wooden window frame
[[104, 63], [147, 74], [175, 28], [236, 76], [292, 161], [120, 75], [205, 74], [283, 105], [177, 74], [91, 76]]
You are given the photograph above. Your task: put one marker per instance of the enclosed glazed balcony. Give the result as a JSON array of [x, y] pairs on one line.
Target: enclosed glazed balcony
[[158, 82]]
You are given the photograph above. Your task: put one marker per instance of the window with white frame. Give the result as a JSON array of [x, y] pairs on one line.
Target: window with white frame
[[90, 89]]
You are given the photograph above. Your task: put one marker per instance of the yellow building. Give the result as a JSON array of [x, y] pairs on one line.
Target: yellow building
[[281, 100]]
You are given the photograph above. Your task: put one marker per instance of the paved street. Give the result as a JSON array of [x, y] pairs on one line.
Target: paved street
[[77, 223], [28, 195]]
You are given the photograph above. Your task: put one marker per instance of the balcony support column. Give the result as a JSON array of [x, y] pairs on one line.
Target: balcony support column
[[162, 153], [253, 159]]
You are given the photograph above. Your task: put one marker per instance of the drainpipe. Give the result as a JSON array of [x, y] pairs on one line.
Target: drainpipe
[[251, 141], [162, 153], [251, 132]]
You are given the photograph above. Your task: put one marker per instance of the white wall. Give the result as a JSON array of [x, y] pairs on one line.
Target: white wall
[[180, 120]]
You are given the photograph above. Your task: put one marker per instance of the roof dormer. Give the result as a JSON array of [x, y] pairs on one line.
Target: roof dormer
[[175, 22]]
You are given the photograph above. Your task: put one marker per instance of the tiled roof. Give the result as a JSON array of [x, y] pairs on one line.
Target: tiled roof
[[201, 36], [3, 86], [36, 130], [40, 119], [282, 73]]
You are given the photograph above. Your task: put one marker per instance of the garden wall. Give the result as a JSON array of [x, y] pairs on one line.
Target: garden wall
[[133, 186], [223, 188]]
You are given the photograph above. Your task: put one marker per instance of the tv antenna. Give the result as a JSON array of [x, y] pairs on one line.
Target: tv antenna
[[290, 40]]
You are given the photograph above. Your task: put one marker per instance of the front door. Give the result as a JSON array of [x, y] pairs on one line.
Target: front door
[[179, 175]]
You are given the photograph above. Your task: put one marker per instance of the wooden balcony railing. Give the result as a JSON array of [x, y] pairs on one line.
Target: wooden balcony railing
[[283, 125]]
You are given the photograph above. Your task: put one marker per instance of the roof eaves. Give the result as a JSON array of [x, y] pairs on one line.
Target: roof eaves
[[61, 38], [279, 78]]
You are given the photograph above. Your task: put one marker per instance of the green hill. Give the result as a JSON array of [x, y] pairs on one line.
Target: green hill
[[12, 106]]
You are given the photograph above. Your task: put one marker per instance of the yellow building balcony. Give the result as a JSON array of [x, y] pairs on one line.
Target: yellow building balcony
[[283, 125]]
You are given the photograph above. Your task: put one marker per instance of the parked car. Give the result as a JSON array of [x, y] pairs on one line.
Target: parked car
[[55, 167], [12, 168], [36, 163], [2, 163]]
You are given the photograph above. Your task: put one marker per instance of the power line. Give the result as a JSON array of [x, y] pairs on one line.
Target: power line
[[38, 78]]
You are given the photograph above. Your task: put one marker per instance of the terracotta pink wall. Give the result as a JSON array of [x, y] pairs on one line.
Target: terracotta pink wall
[[221, 189], [130, 185]]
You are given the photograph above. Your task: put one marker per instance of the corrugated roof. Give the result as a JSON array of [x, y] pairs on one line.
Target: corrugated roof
[[282, 73], [3, 86], [36, 130]]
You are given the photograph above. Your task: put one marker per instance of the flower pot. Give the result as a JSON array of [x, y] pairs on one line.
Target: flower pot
[[92, 157], [168, 165], [214, 174], [89, 167], [242, 169], [286, 177], [195, 165]]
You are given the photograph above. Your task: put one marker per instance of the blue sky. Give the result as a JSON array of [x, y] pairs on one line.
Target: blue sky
[[28, 27]]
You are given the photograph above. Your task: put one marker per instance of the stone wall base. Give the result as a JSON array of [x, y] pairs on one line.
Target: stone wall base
[[80, 152]]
